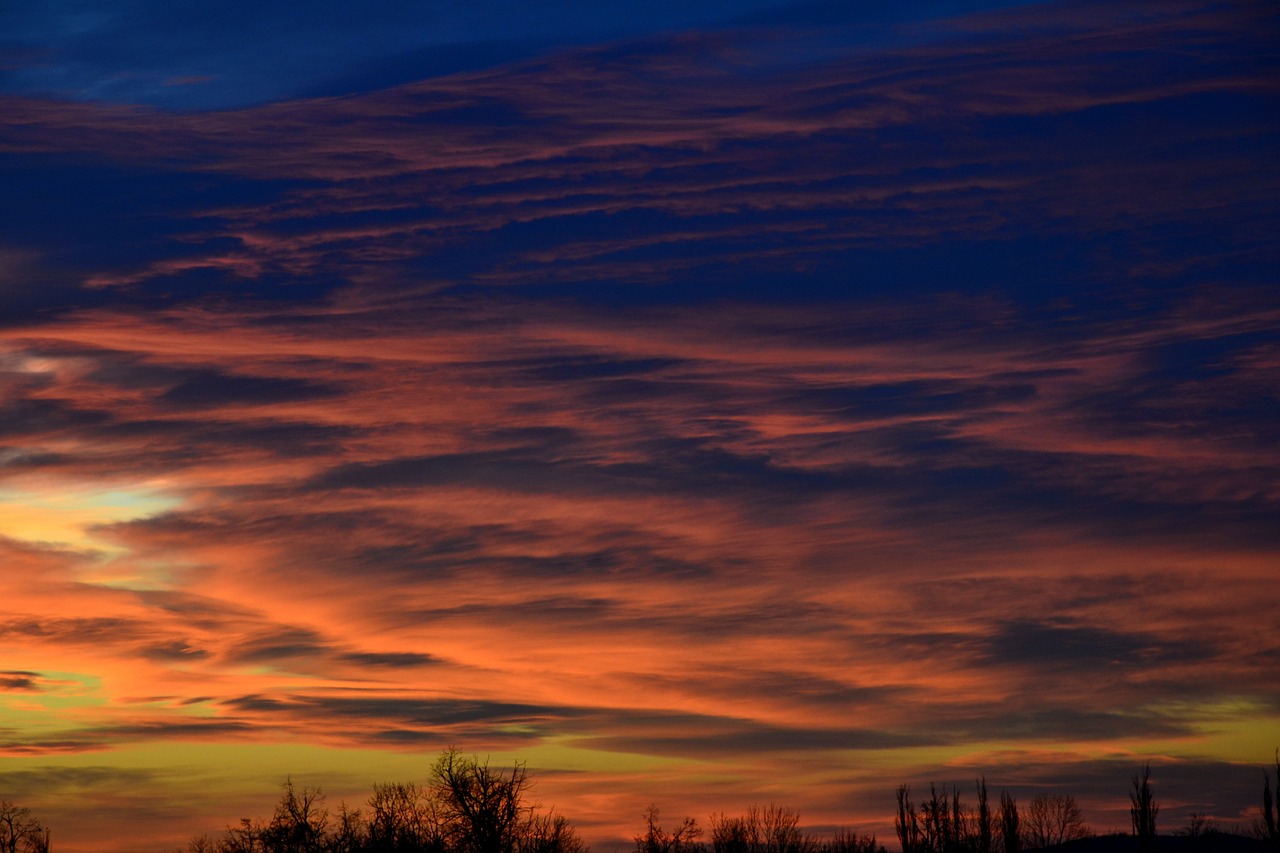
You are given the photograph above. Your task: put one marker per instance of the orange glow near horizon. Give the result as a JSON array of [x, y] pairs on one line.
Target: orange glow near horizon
[[213, 619]]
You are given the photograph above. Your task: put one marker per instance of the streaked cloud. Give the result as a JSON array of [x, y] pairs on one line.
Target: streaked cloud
[[658, 411]]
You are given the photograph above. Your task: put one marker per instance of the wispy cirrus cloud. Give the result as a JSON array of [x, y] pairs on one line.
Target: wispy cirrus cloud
[[661, 409]]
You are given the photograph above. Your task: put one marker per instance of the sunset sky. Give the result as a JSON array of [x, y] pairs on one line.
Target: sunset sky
[[707, 403]]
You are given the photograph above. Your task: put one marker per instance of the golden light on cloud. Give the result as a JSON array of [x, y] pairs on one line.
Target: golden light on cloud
[[64, 513]]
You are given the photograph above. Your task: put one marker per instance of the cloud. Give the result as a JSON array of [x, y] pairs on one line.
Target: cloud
[[690, 408], [278, 645], [1047, 644], [72, 630], [107, 738], [41, 780], [212, 389], [756, 740], [395, 660], [693, 173], [19, 681], [107, 52]]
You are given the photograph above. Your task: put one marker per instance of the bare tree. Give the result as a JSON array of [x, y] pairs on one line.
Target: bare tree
[[1198, 826], [1052, 819], [350, 835], [942, 824], [730, 834], [467, 807], [245, 838], [1267, 826], [1143, 808], [1268, 808], [845, 841], [935, 822], [983, 839], [657, 840], [550, 833], [1010, 833], [405, 819], [482, 808], [906, 823], [20, 832], [300, 823], [771, 829], [200, 844], [780, 830]]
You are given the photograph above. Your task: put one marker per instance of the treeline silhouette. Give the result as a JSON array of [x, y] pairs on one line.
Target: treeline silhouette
[[767, 829], [944, 824], [466, 806]]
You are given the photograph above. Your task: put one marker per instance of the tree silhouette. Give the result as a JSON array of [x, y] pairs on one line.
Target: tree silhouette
[[1267, 827], [684, 839], [780, 830], [850, 842], [1010, 832], [482, 809], [350, 835], [933, 815], [549, 833], [300, 822], [404, 819], [984, 818], [1143, 808], [905, 822], [730, 835], [1052, 819], [466, 807], [20, 832], [1198, 826], [771, 829], [245, 838], [1268, 809], [942, 824]]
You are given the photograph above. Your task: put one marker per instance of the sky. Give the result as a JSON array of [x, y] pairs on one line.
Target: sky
[[705, 403]]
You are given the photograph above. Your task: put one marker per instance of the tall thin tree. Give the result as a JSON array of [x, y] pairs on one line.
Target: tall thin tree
[[1010, 832], [906, 823], [984, 818], [1270, 828], [1143, 808]]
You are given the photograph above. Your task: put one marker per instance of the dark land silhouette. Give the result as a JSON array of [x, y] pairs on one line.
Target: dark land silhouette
[[1209, 842], [467, 806]]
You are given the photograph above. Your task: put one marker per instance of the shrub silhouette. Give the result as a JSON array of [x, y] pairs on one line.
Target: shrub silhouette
[[776, 829], [845, 841], [1198, 826]]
